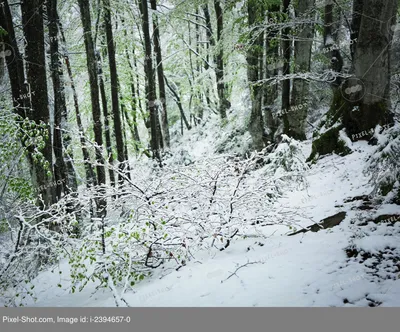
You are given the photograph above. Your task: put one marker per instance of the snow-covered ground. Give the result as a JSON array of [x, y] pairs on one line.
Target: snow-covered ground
[[273, 269]]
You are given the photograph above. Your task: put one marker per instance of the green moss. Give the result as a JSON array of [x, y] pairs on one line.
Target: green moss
[[328, 142], [337, 109], [385, 188]]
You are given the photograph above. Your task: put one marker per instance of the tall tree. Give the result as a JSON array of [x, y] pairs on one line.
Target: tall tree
[[209, 45], [362, 101], [160, 75], [223, 102], [63, 169], [330, 38], [372, 68], [254, 73], [287, 54], [106, 116], [271, 50], [122, 158], [14, 62], [150, 85], [304, 34], [94, 96], [32, 21]]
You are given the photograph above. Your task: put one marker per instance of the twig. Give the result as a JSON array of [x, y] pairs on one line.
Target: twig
[[244, 265]]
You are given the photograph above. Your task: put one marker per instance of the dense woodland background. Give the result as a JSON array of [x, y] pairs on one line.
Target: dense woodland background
[[99, 99]]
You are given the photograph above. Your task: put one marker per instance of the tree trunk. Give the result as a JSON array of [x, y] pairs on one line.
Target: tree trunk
[[254, 72], [362, 101], [297, 119], [271, 69], [122, 158], [32, 21], [329, 40], [287, 52], [210, 45], [160, 74], [106, 116], [219, 72], [63, 170], [14, 62], [355, 24], [150, 87], [372, 69], [94, 95]]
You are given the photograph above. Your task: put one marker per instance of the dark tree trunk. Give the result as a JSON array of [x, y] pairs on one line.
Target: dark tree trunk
[[32, 21], [271, 122], [372, 69], [254, 73], [329, 38], [94, 94], [122, 158], [355, 24], [287, 52], [219, 72], [150, 87], [210, 46], [160, 75], [362, 101], [302, 60], [14, 62], [63, 170]]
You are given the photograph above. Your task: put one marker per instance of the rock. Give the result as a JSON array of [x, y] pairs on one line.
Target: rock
[[328, 222]]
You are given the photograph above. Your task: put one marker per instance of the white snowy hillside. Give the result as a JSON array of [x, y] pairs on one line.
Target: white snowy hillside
[[352, 262], [199, 153]]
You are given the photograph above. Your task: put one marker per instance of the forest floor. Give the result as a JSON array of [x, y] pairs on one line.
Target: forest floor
[[307, 269]]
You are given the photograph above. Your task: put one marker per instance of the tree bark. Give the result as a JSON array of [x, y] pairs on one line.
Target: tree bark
[[297, 119], [287, 52], [271, 122], [94, 95], [224, 104], [106, 117], [372, 68], [122, 158], [14, 62], [63, 169], [329, 39], [160, 75], [32, 21], [150, 87], [254, 73]]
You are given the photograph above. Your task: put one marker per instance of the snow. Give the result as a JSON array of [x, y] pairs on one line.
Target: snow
[[309, 269]]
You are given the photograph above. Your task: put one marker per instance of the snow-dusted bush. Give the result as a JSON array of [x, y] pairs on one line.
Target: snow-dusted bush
[[286, 164], [384, 165], [159, 217], [32, 245]]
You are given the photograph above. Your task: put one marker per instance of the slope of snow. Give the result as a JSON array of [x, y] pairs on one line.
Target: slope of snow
[[309, 269]]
